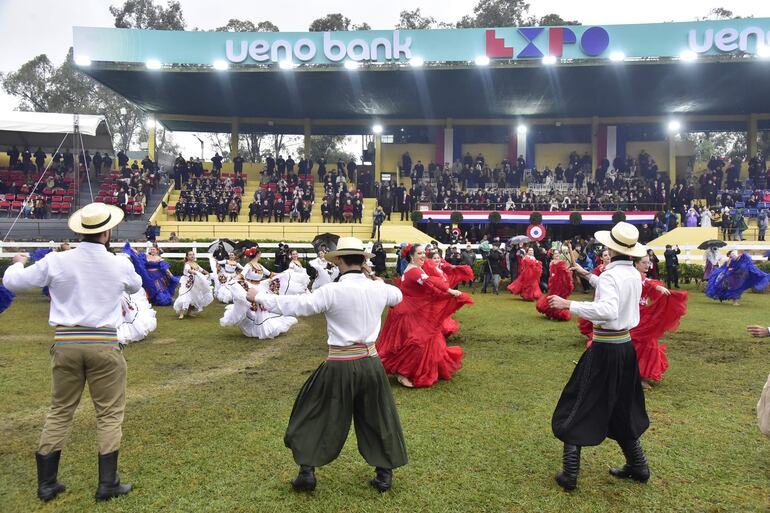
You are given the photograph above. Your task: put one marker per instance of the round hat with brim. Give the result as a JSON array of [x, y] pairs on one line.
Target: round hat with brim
[[95, 218], [623, 239], [349, 246]]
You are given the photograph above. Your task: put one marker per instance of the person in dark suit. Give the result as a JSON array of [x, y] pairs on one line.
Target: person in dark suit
[[672, 265]]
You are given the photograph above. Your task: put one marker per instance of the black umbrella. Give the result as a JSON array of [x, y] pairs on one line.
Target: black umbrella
[[245, 244], [326, 239], [713, 243], [220, 245]]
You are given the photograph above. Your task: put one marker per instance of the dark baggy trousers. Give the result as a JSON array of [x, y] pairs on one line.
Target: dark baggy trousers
[[335, 393]]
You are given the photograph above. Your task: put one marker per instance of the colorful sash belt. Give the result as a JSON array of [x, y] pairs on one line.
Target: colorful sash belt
[[611, 336], [354, 352], [82, 335]]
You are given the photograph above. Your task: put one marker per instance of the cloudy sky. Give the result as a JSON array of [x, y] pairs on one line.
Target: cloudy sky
[[45, 26]]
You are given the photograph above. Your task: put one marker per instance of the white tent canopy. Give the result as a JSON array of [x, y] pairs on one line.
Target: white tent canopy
[[46, 130]]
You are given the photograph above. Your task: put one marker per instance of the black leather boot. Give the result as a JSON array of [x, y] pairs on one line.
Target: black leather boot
[[305, 480], [567, 476], [383, 479], [47, 469], [109, 480], [636, 464]]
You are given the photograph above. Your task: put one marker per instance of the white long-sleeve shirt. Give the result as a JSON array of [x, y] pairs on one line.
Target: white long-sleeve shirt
[[353, 307], [616, 303], [86, 285]]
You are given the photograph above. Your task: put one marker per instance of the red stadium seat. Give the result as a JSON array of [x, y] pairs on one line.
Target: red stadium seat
[[10, 197], [66, 208], [136, 209], [5, 207], [21, 197], [55, 208], [16, 206], [56, 199], [68, 198], [47, 191]]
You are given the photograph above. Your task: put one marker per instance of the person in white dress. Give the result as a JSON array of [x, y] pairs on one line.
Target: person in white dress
[[138, 317], [295, 265], [224, 272], [194, 289], [705, 218], [326, 272], [253, 320]]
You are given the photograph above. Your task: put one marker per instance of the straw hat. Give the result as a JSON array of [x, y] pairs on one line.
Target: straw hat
[[95, 218], [623, 239], [349, 246]]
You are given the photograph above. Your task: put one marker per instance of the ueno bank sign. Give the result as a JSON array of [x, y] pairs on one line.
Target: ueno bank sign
[[728, 39], [334, 50]]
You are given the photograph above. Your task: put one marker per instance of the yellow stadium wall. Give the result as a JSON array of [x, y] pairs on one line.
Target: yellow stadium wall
[[391, 155], [552, 153], [493, 153], [701, 165], [658, 150]]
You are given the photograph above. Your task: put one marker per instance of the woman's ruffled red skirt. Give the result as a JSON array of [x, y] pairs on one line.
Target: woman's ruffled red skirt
[[414, 346]]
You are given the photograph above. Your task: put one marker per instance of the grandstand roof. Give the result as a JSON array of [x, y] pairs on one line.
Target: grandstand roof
[[187, 92]]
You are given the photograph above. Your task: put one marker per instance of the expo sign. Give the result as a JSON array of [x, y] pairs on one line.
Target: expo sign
[[593, 42], [334, 50], [729, 39]]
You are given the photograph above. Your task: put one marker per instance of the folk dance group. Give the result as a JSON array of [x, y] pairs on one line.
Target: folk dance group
[[603, 398]]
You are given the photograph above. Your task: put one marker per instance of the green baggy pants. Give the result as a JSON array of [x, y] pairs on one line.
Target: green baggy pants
[[335, 393]]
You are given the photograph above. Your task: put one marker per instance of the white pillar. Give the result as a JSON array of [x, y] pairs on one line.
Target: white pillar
[[521, 146], [449, 140], [612, 143]]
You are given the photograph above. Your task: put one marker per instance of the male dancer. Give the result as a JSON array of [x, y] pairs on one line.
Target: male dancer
[[86, 285], [351, 382], [604, 396]]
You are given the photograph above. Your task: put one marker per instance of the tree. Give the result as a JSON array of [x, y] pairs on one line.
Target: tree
[[362, 26], [414, 20], [144, 14], [330, 23], [236, 25], [31, 84], [500, 13], [330, 147], [554, 20]]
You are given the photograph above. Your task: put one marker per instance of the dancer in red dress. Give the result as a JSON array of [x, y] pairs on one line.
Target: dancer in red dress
[[559, 284], [660, 311], [586, 327], [527, 283], [435, 267], [411, 344]]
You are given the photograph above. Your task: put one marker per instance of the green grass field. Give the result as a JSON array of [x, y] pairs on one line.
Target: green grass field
[[207, 409]]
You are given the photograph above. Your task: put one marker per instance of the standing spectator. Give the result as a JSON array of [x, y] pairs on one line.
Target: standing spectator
[[738, 225], [672, 266], [232, 209], [493, 268], [378, 217], [468, 258], [762, 224], [40, 159], [216, 161], [238, 165]]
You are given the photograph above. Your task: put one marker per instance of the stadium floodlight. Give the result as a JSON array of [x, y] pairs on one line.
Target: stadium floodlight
[[150, 124], [763, 51], [153, 64], [287, 64], [82, 60], [482, 60], [617, 56], [688, 56], [221, 65], [416, 62], [550, 60], [377, 129], [674, 126], [352, 65], [521, 129]]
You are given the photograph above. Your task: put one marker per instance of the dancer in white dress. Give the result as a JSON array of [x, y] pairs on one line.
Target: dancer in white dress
[[252, 319], [194, 289], [224, 272], [326, 272], [138, 317]]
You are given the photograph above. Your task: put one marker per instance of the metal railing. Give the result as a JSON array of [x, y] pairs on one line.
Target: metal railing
[[261, 231]]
